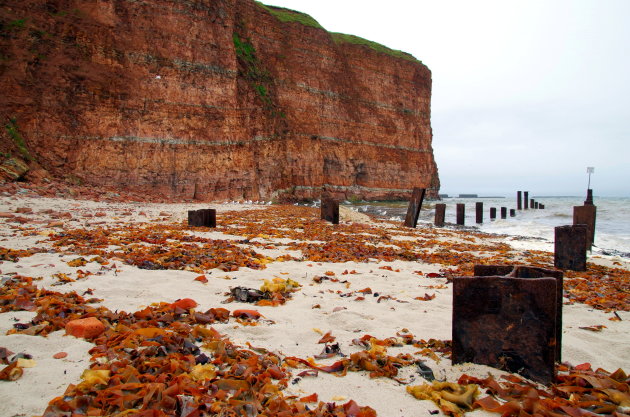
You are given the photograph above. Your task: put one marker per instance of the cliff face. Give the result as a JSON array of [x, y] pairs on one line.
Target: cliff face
[[210, 99]]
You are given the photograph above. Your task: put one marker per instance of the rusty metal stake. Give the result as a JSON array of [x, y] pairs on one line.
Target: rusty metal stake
[[519, 200], [525, 199], [586, 215], [413, 211], [461, 213], [479, 212], [493, 213], [202, 218], [570, 247], [440, 212], [330, 210]]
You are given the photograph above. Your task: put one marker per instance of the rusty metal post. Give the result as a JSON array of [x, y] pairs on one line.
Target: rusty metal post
[[537, 204], [330, 210], [506, 322], [202, 218], [519, 200], [542, 207], [440, 213], [531, 272], [586, 215], [525, 199], [504, 212], [493, 213], [512, 213], [461, 213], [570, 247], [413, 211], [531, 203], [479, 212]]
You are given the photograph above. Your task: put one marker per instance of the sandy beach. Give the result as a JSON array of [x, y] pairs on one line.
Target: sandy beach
[[335, 287]]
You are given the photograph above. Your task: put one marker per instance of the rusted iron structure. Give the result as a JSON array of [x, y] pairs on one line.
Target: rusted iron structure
[[330, 210], [509, 322], [461, 214], [519, 200], [479, 212], [504, 212], [202, 218], [525, 199], [570, 247], [493, 213], [586, 215], [440, 214]]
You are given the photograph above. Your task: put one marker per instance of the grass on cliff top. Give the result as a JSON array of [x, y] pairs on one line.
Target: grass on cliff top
[[344, 38], [288, 15]]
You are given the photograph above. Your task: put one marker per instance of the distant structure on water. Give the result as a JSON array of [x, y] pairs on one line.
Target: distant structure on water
[[468, 196]]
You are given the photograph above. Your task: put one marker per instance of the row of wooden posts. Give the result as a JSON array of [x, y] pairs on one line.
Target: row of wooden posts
[[413, 211]]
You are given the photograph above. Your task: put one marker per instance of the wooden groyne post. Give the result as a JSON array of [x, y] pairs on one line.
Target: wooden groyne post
[[519, 200], [504, 212], [493, 213]]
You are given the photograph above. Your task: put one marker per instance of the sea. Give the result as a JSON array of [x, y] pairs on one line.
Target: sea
[[612, 228]]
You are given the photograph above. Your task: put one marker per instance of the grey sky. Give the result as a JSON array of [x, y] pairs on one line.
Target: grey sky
[[526, 94]]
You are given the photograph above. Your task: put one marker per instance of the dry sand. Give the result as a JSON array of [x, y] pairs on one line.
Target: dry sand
[[292, 329]]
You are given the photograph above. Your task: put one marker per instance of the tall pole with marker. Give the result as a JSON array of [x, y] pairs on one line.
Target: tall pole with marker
[[589, 191]]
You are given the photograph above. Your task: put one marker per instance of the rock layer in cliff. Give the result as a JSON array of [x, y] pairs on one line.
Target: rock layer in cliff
[[210, 99]]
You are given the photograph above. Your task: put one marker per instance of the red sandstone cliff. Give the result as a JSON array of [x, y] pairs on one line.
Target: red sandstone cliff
[[210, 99]]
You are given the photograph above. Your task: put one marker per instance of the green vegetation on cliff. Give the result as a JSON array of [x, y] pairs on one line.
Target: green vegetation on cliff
[[18, 140], [344, 38], [288, 15]]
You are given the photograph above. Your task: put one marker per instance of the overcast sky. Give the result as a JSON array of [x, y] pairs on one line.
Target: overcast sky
[[526, 94]]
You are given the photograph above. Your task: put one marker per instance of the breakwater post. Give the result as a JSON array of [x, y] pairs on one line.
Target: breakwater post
[[440, 212], [493, 213], [570, 247], [531, 203], [330, 210], [512, 213], [519, 200], [589, 197], [482, 305], [461, 213], [479, 212], [586, 215], [413, 211], [504, 212], [202, 218], [525, 199]]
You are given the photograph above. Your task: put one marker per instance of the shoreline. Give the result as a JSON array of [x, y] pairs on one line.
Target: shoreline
[[333, 265]]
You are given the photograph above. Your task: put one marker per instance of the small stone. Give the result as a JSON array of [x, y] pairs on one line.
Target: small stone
[[87, 328]]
